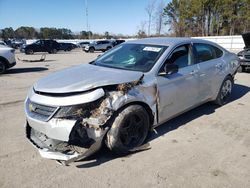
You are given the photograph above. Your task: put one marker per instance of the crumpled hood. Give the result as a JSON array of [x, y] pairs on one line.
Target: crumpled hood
[[83, 78], [246, 38]]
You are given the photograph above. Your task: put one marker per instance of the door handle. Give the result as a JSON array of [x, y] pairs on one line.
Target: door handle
[[219, 65], [193, 72]]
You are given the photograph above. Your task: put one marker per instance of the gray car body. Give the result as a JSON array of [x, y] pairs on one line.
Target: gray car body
[[163, 96]]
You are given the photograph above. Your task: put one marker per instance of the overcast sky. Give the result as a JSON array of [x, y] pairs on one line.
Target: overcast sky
[[115, 16]]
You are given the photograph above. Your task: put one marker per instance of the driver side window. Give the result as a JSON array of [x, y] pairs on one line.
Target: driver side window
[[181, 56]]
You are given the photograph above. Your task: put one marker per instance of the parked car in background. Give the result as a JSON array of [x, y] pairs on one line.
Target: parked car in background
[[117, 42], [50, 46], [124, 93], [83, 44], [3, 43], [7, 58], [66, 46], [102, 45], [244, 55], [14, 43]]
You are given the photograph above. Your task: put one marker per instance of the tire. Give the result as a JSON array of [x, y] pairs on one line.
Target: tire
[[225, 91], [241, 69], [2, 67], [29, 51], [129, 129], [108, 48], [91, 50], [54, 51]]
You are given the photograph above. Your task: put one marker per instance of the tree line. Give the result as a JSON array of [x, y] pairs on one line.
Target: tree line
[[25, 32], [32, 33], [198, 17]]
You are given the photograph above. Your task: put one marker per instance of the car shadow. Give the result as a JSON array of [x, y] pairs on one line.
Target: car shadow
[[205, 109], [25, 70], [104, 155]]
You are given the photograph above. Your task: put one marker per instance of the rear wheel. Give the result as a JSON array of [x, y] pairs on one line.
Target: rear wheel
[[2, 67], [91, 50], [129, 129], [108, 48], [225, 91], [54, 51], [241, 69]]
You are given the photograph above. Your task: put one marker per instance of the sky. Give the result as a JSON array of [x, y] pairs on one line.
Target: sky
[[115, 16]]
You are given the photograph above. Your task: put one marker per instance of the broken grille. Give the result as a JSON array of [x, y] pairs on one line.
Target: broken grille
[[40, 112]]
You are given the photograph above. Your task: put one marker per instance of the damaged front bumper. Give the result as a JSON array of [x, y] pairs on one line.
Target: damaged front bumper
[[62, 151], [61, 134]]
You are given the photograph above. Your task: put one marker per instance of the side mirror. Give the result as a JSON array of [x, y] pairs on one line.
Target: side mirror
[[171, 69]]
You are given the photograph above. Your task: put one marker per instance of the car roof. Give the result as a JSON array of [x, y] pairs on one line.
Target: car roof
[[168, 41]]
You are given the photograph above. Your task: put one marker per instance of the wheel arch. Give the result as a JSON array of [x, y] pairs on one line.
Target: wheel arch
[[231, 76], [144, 105]]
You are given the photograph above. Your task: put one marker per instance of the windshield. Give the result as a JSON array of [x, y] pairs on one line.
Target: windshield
[[135, 57]]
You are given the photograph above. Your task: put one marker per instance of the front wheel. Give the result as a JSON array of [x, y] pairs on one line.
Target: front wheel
[[225, 91], [129, 129], [2, 67]]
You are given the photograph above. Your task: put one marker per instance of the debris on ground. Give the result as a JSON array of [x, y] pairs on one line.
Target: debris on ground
[[43, 57]]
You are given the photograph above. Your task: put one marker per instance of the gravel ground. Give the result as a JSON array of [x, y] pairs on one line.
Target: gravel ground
[[206, 147]]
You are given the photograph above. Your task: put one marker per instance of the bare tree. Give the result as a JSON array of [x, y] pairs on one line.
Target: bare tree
[[142, 26], [159, 17], [141, 30], [150, 9]]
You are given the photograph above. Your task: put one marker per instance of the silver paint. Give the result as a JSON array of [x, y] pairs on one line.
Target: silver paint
[[166, 95]]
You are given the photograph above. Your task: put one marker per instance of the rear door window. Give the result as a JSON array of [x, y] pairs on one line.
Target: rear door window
[[206, 52]]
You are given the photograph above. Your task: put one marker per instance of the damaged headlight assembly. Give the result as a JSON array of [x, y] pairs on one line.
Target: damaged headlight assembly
[[73, 112]]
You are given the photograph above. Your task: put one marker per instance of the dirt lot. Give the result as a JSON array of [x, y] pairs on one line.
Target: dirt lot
[[206, 147]]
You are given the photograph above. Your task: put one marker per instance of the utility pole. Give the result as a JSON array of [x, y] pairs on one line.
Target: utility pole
[[87, 19]]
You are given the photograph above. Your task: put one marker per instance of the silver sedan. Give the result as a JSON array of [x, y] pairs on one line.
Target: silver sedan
[[123, 94]]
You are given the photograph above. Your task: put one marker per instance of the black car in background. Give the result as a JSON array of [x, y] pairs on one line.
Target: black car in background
[[118, 41], [67, 46], [244, 55], [50, 46]]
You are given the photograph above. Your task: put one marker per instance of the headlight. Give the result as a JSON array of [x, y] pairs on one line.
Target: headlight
[[73, 112]]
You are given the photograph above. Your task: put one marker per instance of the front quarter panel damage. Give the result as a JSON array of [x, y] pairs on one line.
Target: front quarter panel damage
[[87, 134]]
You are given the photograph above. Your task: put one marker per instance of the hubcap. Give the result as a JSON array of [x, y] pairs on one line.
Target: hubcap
[[132, 131], [226, 89]]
